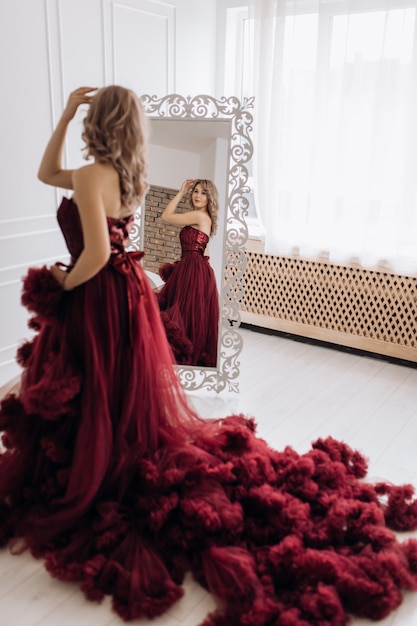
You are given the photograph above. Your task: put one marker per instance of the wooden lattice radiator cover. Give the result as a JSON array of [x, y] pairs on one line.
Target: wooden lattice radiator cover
[[370, 310]]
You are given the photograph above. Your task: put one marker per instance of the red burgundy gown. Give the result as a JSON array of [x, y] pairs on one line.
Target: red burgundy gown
[[189, 302], [108, 475]]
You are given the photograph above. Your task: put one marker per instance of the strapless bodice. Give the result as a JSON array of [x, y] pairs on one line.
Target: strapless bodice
[[70, 224], [193, 241]]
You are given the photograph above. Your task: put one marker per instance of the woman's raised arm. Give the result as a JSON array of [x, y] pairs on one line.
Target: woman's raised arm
[[50, 170]]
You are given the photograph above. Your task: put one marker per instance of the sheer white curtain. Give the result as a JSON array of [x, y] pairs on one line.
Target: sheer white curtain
[[335, 135]]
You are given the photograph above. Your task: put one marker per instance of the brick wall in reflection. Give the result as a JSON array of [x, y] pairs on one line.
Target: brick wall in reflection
[[161, 241]]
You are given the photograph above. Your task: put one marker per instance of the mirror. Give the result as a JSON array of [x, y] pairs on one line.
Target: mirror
[[201, 137]]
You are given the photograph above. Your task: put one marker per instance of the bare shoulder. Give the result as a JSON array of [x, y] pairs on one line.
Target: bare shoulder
[[92, 171], [98, 184], [203, 221], [97, 178]]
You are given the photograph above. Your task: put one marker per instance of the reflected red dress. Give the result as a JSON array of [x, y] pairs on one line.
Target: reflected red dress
[[109, 476], [189, 302]]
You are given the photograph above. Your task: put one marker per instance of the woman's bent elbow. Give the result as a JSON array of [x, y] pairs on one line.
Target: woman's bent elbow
[[103, 258], [48, 179], [42, 177], [97, 262]]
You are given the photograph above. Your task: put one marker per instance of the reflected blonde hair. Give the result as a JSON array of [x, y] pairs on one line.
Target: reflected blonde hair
[[116, 131], [213, 201]]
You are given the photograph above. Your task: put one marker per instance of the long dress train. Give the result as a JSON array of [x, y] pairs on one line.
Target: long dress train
[[110, 477], [189, 302]]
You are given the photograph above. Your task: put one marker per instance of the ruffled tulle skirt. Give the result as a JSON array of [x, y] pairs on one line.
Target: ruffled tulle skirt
[[189, 304], [111, 478]]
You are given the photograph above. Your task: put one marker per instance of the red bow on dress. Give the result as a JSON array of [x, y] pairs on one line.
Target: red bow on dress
[[124, 263]]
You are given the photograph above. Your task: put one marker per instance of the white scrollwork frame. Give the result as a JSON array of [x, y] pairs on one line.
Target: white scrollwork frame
[[238, 113]]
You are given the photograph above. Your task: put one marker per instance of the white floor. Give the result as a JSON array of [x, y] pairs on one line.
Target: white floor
[[297, 393]]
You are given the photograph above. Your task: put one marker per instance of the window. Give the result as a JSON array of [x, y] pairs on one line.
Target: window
[[345, 146]]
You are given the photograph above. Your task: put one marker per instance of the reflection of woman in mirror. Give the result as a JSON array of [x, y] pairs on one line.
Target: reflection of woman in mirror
[[189, 300]]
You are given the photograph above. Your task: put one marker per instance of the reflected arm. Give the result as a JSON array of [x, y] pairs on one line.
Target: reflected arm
[[190, 218], [169, 216]]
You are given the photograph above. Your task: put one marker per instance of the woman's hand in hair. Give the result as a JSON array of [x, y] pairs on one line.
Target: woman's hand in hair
[[186, 186], [51, 171], [79, 96]]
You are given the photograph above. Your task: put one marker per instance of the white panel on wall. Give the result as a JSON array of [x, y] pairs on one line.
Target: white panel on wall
[[197, 46], [75, 53], [81, 28], [27, 217], [35, 241], [131, 49], [24, 108], [35, 247], [139, 38]]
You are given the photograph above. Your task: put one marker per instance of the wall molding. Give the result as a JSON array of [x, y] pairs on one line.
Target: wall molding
[[21, 239], [32, 225], [148, 9]]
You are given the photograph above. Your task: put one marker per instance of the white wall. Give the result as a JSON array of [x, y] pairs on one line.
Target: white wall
[[47, 48], [169, 167]]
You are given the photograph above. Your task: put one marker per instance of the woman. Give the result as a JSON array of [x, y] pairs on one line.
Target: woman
[[99, 395], [189, 300], [110, 477]]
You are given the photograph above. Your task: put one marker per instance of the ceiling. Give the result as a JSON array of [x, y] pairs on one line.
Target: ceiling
[[188, 135]]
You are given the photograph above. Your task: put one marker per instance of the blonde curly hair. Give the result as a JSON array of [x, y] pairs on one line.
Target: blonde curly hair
[[116, 131], [213, 200]]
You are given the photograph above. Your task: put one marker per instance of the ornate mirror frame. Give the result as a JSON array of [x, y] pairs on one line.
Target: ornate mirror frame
[[240, 149]]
